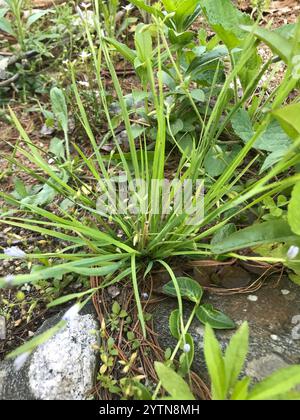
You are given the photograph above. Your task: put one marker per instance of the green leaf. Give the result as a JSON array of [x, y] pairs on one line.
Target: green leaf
[[45, 196], [173, 383], [279, 383], [5, 26], [295, 278], [123, 49], [59, 107], [273, 139], [241, 389], [219, 158], [287, 31], [198, 95], [289, 119], [242, 125], [3, 11], [278, 43], [186, 11], [149, 9], [79, 267], [57, 148], [293, 210], [251, 68], [272, 159], [236, 354], [177, 126], [141, 392], [36, 16], [226, 20], [174, 323], [189, 289], [216, 319], [215, 364], [143, 42], [116, 308], [207, 61], [20, 188], [223, 233], [182, 38], [258, 234], [68, 298]]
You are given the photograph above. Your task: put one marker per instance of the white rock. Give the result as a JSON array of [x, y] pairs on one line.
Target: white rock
[[252, 298], [285, 292], [64, 367]]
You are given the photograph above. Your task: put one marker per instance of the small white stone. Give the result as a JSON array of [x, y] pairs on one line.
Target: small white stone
[[274, 337], [285, 292], [252, 298]]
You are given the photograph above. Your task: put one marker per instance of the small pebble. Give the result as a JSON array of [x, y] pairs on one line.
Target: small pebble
[[252, 298], [274, 337], [285, 292]]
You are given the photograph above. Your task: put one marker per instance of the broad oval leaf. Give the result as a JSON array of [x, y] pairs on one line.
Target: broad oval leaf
[[59, 107], [189, 289], [174, 323], [173, 383], [216, 319], [226, 20]]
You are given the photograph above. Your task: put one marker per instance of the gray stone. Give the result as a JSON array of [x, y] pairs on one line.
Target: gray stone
[[274, 320], [13, 383], [63, 368]]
